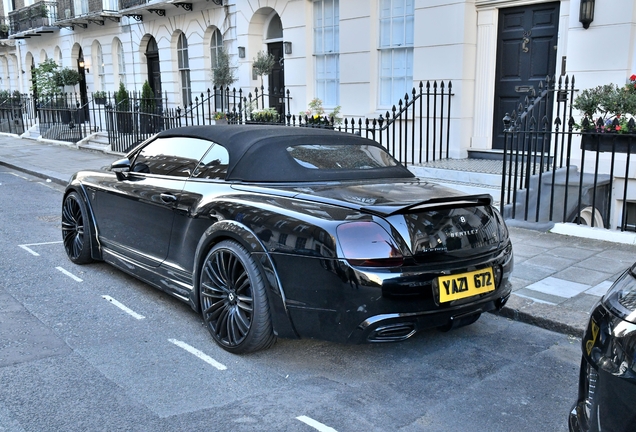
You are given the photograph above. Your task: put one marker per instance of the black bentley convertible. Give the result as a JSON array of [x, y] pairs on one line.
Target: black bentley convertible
[[291, 232]]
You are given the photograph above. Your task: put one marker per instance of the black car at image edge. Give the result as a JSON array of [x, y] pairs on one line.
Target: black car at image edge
[[607, 383], [272, 231]]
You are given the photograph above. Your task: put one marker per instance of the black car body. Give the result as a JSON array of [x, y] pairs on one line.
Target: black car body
[[334, 239], [607, 383]]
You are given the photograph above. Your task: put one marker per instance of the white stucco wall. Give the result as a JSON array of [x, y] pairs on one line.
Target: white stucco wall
[[454, 41]]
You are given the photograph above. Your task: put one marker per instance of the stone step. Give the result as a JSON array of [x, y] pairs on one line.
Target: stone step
[[97, 141]]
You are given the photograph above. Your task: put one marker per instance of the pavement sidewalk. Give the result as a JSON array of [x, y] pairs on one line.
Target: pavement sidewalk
[[556, 280]]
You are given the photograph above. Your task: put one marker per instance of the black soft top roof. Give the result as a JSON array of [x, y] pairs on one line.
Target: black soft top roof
[[259, 153]]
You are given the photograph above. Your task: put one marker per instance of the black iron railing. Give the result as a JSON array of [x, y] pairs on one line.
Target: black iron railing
[[554, 173], [415, 130]]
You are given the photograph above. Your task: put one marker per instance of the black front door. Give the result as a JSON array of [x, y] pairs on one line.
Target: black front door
[[277, 78], [154, 74], [82, 84], [526, 55]]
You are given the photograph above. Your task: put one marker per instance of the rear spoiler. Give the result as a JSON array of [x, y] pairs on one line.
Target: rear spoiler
[[433, 203]]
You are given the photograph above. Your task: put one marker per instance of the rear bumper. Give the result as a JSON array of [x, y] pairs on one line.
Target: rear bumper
[[399, 327], [331, 300]]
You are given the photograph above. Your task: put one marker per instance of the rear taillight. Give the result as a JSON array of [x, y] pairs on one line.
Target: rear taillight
[[367, 244]]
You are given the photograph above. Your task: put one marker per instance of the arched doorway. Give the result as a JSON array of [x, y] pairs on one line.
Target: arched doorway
[[276, 81], [154, 73]]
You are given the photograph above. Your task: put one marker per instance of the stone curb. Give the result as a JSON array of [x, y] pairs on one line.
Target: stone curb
[[35, 173], [545, 316]]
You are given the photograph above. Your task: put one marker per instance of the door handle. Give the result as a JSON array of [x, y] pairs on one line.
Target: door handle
[[168, 198]]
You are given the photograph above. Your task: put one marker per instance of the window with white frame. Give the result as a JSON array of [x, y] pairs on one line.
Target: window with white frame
[[184, 69], [121, 63], [81, 7], [99, 61], [216, 45], [396, 50], [326, 51]]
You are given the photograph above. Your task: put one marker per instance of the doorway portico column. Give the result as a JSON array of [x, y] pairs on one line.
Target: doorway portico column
[[485, 67]]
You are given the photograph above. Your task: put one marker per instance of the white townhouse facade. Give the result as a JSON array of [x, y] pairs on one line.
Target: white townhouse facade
[[362, 55]]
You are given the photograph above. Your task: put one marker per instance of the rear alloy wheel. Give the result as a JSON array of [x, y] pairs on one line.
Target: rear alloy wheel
[[233, 300], [75, 231]]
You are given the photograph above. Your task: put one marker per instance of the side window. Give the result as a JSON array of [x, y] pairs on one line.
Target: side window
[[170, 156], [214, 164]]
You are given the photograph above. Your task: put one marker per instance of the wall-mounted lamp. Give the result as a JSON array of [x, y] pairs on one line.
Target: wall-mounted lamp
[[241, 51], [287, 47], [586, 13], [82, 64]]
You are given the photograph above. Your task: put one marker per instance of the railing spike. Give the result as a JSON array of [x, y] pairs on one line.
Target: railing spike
[[571, 122]]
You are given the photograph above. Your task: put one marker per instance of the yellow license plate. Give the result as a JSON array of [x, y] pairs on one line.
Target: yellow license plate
[[462, 285]]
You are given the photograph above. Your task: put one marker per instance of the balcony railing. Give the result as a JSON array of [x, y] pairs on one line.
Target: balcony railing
[[41, 14], [127, 4]]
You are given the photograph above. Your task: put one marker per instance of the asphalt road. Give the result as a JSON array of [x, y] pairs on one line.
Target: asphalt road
[[87, 348]]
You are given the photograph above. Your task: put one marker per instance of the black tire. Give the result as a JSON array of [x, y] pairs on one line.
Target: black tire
[[75, 230], [233, 300]]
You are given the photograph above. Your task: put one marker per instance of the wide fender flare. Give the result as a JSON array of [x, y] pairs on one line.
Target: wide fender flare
[[76, 186], [224, 230]]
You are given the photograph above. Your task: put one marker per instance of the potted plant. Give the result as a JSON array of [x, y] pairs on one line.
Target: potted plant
[[66, 77], [122, 110], [264, 115], [608, 116], [219, 117], [39, 14], [4, 31], [316, 116], [148, 109], [223, 76], [263, 64], [99, 97]]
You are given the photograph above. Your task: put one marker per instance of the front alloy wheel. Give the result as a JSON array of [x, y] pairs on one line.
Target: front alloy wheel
[[75, 232], [233, 299]]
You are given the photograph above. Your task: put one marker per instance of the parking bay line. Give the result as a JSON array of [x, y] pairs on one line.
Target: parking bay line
[[315, 424], [206, 358], [124, 308], [69, 274], [31, 251]]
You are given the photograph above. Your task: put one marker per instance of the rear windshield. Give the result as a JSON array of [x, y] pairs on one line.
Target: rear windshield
[[339, 157]]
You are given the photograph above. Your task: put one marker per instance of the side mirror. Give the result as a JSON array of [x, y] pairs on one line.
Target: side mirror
[[121, 168]]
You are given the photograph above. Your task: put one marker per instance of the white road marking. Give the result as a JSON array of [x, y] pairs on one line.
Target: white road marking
[[31, 251], [314, 424], [48, 185], [124, 308], [18, 175], [69, 274], [206, 358]]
